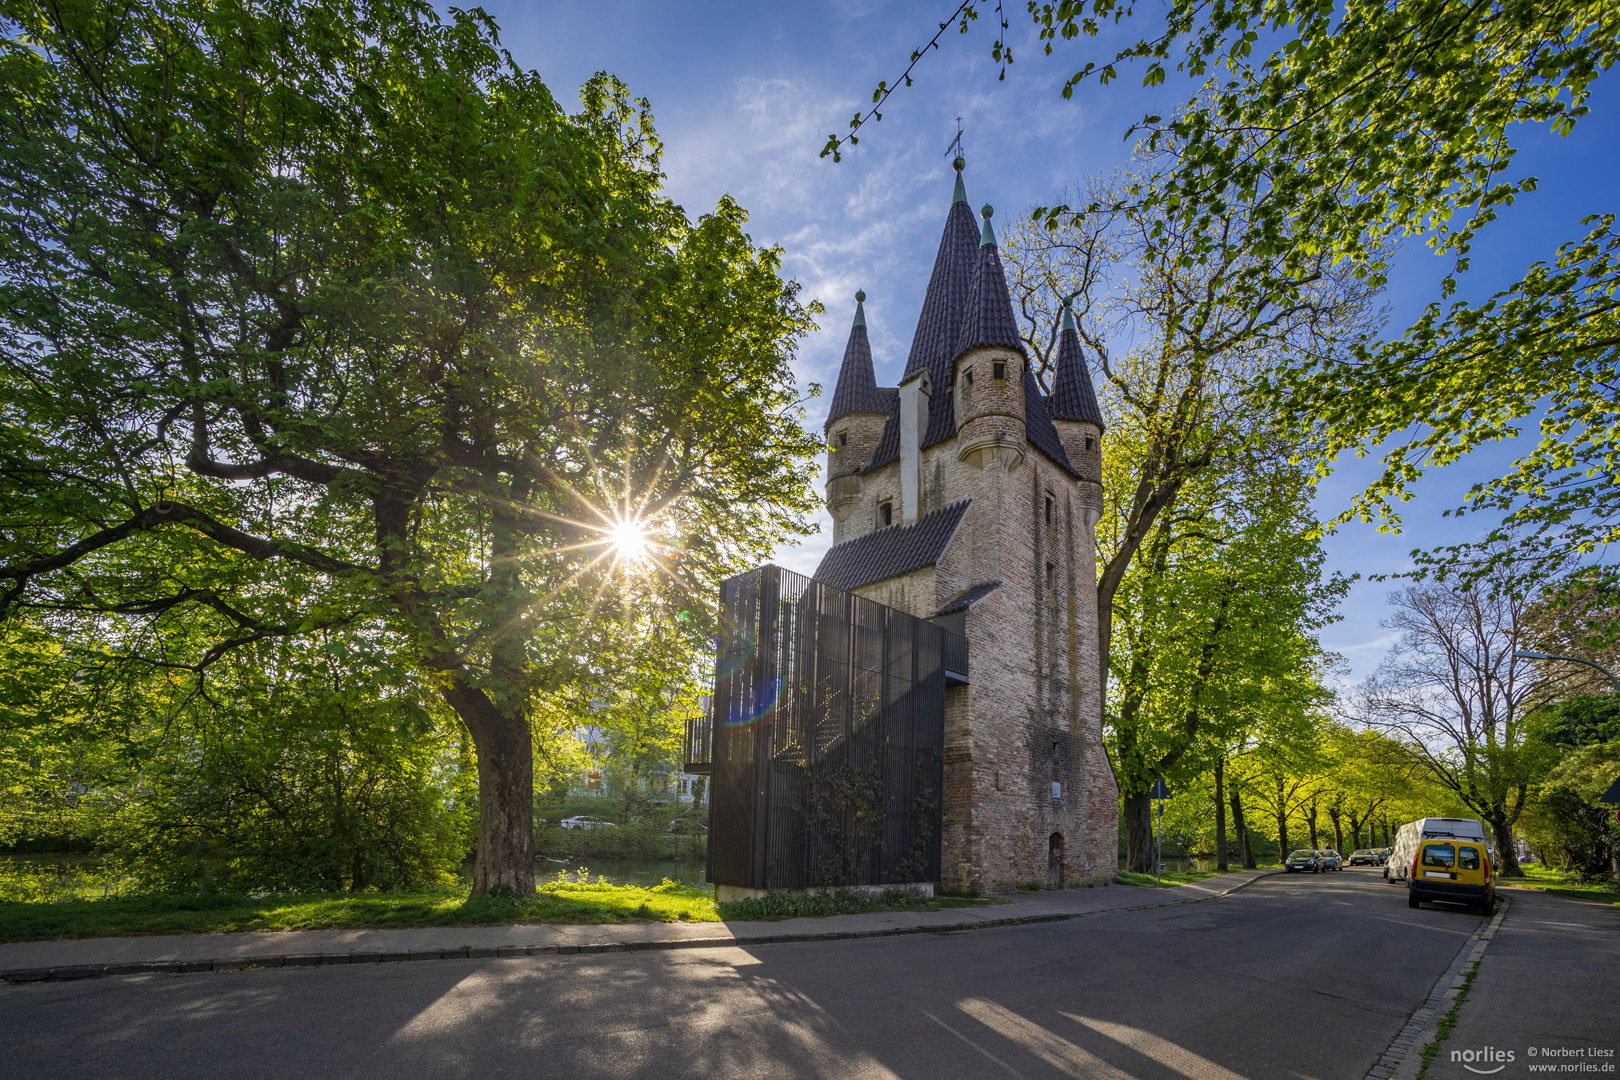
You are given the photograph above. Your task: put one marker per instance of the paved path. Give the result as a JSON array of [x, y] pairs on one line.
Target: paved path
[[1292, 977], [1549, 981], [31, 957]]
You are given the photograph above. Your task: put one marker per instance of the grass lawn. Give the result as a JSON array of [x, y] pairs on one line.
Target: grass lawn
[[563, 900], [1545, 879], [556, 902], [1172, 878]]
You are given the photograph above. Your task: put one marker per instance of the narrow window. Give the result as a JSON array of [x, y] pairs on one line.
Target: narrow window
[[887, 510], [1090, 443], [970, 376], [1051, 577], [1049, 511], [998, 370], [843, 439]]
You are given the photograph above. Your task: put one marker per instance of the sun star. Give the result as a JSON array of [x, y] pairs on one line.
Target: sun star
[[629, 540]]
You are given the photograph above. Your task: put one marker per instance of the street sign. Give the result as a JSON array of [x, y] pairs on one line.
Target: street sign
[[1160, 791], [1613, 794]]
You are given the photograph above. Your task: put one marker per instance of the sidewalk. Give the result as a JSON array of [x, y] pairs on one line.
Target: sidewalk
[[36, 961], [1548, 983]]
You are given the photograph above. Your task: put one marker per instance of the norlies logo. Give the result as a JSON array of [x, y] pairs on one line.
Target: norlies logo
[[1488, 1056]]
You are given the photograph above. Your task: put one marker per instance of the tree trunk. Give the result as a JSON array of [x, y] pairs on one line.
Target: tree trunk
[[1338, 828], [1507, 855], [1139, 833], [1311, 817], [505, 751], [1220, 816], [1242, 829], [1282, 823]]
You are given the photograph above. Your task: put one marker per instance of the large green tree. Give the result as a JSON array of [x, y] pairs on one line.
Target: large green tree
[[326, 316]]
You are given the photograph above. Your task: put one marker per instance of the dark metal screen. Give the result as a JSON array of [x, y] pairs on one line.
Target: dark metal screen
[[828, 731]]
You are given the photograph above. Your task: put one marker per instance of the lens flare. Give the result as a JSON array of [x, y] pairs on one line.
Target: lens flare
[[630, 540]]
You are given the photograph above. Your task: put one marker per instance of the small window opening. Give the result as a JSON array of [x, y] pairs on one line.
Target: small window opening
[[887, 512], [1091, 444], [970, 376], [1049, 511], [998, 370], [1051, 576], [843, 439]]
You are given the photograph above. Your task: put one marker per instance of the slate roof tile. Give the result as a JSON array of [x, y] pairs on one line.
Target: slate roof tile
[[888, 553], [857, 389], [1038, 427], [968, 597], [1073, 397]]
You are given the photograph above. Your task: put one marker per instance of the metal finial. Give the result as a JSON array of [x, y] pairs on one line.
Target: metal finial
[[987, 211], [860, 296], [960, 163]]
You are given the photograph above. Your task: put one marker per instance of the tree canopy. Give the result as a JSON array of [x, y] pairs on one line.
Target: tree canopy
[[327, 318], [1343, 130]]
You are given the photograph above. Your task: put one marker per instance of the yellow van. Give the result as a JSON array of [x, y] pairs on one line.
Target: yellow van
[[1455, 870]]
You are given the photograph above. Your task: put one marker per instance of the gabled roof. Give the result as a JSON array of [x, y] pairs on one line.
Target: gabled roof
[[857, 389], [968, 597], [888, 553], [1073, 397], [1038, 427], [987, 317]]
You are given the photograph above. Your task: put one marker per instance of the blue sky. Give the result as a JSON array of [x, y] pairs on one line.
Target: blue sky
[[746, 93]]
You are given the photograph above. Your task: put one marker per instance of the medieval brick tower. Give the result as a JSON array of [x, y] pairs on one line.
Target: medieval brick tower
[[967, 496]]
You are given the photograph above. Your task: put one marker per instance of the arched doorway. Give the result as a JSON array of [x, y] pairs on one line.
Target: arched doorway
[[1054, 862]]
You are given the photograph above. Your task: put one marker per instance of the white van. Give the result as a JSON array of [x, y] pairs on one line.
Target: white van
[[1413, 833]]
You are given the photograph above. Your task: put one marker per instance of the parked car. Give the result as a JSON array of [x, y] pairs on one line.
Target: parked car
[[687, 825], [1304, 860], [1365, 857], [1458, 871], [1331, 860], [585, 821]]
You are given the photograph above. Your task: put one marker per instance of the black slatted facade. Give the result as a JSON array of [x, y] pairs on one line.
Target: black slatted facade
[[828, 720]]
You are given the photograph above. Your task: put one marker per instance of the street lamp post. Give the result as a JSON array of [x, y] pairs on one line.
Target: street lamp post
[[1526, 654]]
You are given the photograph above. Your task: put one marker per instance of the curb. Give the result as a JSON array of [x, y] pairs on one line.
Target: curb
[[245, 963], [1403, 1057]]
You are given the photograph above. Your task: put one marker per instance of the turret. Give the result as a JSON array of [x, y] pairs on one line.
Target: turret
[[855, 420], [988, 373], [1075, 413]]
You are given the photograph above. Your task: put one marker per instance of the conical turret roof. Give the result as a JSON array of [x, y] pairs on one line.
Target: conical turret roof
[[857, 390], [987, 317], [933, 346], [1073, 397]]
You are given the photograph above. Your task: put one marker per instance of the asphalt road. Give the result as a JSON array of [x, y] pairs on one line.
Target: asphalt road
[[1303, 977]]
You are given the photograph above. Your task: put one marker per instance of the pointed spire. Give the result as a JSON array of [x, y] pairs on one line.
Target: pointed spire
[[937, 324], [961, 191], [857, 390], [988, 235], [1073, 397], [987, 317]]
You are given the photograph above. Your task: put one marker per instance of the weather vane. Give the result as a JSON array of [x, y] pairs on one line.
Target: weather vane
[[955, 146]]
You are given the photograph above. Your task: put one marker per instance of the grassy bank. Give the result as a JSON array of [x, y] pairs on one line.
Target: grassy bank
[[563, 900], [1172, 878], [1544, 879]]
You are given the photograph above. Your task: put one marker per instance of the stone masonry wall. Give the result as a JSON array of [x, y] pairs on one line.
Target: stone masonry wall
[[1031, 715]]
